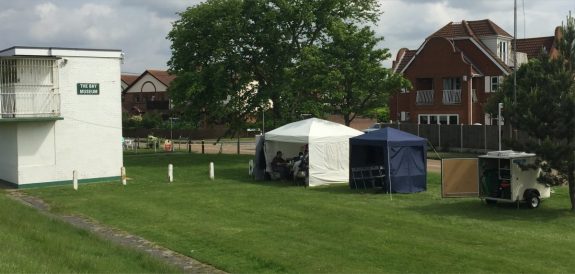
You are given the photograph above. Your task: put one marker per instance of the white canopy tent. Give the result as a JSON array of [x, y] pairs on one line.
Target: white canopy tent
[[328, 145]]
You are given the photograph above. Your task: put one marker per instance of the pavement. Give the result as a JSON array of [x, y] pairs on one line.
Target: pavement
[[434, 165]]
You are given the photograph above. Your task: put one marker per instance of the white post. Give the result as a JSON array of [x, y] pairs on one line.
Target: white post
[[123, 175], [499, 107], [251, 167], [212, 170], [75, 179], [170, 173]]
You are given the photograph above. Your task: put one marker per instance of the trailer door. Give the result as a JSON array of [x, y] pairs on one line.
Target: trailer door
[[459, 177]]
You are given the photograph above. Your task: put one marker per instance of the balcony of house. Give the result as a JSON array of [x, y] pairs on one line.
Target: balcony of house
[[451, 96], [29, 90], [424, 97], [425, 92]]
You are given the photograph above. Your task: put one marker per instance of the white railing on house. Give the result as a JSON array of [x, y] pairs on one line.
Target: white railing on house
[[424, 97], [29, 105], [451, 96], [29, 88]]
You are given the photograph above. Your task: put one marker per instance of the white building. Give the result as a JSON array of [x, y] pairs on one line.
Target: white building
[[60, 111]]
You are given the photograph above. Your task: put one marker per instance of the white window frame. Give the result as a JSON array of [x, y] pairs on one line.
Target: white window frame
[[437, 117], [494, 86]]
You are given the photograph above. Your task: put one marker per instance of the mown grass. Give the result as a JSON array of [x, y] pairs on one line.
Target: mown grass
[[34, 243], [240, 225]]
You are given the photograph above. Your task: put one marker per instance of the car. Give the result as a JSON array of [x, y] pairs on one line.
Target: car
[[373, 127]]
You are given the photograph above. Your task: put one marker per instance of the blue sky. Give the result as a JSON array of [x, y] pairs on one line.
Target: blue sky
[[140, 27]]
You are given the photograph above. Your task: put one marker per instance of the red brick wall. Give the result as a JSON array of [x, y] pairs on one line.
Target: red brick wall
[[440, 59]]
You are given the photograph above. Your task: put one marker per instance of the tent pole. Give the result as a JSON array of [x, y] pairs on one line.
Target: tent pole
[[389, 172]]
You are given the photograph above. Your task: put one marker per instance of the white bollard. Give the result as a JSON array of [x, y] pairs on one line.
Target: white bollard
[[251, 167], [212, 170], [170, 173], [75, 179], [123, 174]]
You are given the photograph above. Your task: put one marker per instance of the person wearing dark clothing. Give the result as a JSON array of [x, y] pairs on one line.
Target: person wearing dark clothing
[[280, 166]]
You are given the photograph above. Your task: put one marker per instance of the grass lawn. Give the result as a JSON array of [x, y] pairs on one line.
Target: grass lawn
[[239, 225], [33, 243]]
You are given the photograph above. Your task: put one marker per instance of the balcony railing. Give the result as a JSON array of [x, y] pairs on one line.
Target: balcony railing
[[451, 96], [424, 97], [29, 88], [29, 105]]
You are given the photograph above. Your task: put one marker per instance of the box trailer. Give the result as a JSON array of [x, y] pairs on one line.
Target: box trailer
[[498, 176]]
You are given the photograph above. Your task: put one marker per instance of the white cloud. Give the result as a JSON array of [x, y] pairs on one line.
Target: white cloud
[[140, 27]]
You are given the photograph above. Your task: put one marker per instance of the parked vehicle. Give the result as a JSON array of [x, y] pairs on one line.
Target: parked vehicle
[[498, 176], [373, 127]]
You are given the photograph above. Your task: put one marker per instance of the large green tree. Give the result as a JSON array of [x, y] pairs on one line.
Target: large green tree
[[232, 57], [545, 110], [346, 73]]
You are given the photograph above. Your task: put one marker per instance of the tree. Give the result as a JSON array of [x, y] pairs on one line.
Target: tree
[[347, 75], [220, 47], [545, 110]]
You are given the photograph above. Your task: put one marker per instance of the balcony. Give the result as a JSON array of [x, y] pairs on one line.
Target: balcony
[[29, 105], [424, 97], [29, 89], [451, 96]]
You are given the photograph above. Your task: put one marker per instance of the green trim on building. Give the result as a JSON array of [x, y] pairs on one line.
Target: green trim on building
[[30, 119], [61, 183]]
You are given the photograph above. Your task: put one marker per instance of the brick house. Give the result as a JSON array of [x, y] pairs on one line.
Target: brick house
[[456, 69], [148, 92]]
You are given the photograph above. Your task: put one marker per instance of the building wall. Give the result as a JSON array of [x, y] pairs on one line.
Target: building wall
[[148, 88], [437, 60], [8, 152], [88, 139]]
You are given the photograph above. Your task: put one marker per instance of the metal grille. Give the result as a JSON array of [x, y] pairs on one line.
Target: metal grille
[[424, 97], [29, 88], [452, 97]]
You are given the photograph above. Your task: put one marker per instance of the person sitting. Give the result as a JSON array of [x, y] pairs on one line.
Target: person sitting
[[279, 165]]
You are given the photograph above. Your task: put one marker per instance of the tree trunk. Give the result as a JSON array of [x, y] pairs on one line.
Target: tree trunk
[[346, 119], [571, 178]]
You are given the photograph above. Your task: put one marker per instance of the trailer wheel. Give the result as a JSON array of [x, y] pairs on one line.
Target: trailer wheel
[[533, 200], [490, 202]]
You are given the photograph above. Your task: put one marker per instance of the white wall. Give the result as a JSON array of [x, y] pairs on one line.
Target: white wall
[[88, 139], [8, 152], [137, 87]]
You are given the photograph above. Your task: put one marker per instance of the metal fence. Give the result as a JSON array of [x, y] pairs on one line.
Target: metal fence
[[464, 137]]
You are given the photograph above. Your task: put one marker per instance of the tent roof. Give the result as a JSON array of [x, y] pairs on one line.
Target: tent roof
[[390, 135], [312, 128]]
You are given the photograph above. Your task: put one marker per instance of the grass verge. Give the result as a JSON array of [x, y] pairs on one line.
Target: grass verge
[[240, 225], [34, 243]]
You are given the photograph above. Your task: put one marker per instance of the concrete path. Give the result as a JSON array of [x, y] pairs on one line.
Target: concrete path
[[434, 165], [184, 263]]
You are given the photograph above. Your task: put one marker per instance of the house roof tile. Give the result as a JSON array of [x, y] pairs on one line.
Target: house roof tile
[[163, 76], [533, 46], [129, 78]]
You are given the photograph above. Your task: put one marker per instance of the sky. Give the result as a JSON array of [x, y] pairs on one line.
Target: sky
[[139, 27]]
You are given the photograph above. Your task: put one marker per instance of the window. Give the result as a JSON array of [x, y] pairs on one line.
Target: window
[[443, 119], [453, 119], [502, 51], [137, 98], [494, 83], [424, 119], [451, 83]]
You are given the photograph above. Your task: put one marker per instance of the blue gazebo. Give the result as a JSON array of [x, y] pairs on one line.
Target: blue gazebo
[[388, 158]]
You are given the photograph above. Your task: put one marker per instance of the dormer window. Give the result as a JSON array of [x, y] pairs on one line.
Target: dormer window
[[502, 51]]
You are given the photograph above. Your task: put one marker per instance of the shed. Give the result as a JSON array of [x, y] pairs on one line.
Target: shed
[[60, 111], [328, 145], [396, 157]]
